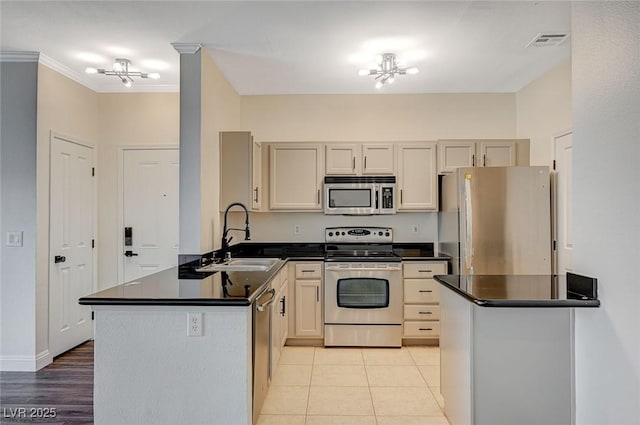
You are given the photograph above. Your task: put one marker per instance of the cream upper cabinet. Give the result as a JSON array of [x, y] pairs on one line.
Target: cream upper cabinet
[[359, 158], [295, 176], [497, 153], [256, 176], [343, 158], [240, 170], [454, 154], [378, 158], [417, 177]]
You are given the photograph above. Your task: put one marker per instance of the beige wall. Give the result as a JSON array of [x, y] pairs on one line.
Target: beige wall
[[416, 117], [220, 112], [543, 110], [379, 117], [126, 119], [70, 109]]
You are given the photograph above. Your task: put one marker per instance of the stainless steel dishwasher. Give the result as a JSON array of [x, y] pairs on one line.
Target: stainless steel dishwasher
[[261, 348]]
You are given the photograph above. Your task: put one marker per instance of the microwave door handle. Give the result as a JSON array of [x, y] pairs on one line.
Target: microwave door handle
[[377, 195]]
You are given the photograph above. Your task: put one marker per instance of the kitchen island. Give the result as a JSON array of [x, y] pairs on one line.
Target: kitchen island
[[506, 347], [147, 368]]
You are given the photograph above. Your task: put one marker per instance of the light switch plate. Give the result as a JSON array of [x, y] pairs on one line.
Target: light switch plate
[[14, 238]]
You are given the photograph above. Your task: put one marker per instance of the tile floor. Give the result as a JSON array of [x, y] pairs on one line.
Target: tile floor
[[355, 386]]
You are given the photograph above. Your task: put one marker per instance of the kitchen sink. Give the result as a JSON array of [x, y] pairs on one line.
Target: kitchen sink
[[242, 265]]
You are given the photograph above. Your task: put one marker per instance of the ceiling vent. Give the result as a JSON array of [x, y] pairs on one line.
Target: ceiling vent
[[545, 39]]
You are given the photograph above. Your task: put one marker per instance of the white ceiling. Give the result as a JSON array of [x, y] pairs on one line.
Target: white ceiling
[[296, 47]]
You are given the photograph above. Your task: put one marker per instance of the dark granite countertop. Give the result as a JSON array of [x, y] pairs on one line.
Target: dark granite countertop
[[524, 290], [184, 286], [209, 289], [315, 250]]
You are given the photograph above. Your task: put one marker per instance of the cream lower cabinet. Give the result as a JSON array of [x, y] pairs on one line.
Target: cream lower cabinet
[[308, 300], [421, 299], [417, 177], [295, 176], [279, 319], [453, 154]]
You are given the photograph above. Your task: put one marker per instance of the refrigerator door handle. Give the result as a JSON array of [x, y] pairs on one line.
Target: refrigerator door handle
[[468, 226]]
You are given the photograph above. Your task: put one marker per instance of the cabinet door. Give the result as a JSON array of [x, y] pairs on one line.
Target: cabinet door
[[417, 178], [276, 331], [378, 158], [342, 159], [256, 176], [283, 310], [236, 163], [308, 308], [295, 172], [497, 154], [455, 154]]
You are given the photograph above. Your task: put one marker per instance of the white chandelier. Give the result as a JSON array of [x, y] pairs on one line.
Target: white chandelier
[[387, 70], [120, 69]]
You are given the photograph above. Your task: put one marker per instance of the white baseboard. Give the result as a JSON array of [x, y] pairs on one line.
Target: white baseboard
[[43, 359], [25, 363]]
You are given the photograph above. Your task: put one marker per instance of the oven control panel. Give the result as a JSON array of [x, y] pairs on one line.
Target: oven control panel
[[359, 234]]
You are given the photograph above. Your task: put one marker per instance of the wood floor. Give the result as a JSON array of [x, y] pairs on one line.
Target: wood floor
[[66, 386]]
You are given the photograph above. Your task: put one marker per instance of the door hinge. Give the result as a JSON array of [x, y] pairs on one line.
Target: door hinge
[[554, 164], [93, 315], [93, 243], [555, 243], [93, 171]]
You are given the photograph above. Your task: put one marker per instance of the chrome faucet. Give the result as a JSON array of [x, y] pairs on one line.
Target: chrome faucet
[[226, 253]]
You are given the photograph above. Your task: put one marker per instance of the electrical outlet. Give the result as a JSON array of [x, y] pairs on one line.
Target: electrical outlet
[[415, 228], [194, 324], [296, 229]]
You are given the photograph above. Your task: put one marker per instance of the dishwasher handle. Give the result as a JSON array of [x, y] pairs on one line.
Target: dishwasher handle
[[261, 307]]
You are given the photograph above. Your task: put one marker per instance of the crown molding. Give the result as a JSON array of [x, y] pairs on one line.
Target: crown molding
[[88, 82], [19, 56], [68, 72], [188, 48], [160, 88]]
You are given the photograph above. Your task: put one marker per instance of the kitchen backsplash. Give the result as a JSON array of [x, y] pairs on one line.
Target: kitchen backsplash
[[281, 227]]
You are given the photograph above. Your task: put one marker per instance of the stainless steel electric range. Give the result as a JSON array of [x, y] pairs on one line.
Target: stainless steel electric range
[[363, 288]]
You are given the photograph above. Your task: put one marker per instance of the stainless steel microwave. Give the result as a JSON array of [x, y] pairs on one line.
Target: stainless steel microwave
[[360, 195]]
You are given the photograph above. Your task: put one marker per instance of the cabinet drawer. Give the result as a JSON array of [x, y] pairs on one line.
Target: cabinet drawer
[[421, 312], [421, 329], [423, 270], [308, 270], [419, 291]]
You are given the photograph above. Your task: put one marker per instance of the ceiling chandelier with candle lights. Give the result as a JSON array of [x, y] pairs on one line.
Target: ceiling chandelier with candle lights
[[387, 70], [120, 69]]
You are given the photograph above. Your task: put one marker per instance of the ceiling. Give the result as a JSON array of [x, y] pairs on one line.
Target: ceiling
[[296, 47]]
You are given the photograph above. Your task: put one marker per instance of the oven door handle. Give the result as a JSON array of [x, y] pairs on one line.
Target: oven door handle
[[367, 269]]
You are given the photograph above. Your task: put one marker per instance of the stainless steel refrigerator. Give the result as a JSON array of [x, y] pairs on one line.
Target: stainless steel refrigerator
[[496, 220]]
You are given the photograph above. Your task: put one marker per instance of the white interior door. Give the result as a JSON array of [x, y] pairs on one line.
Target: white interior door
[[71, 234], [564, 202], [150, 210]]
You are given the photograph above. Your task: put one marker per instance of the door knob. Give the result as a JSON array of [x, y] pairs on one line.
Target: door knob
[[59, 259], [130, 254]]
